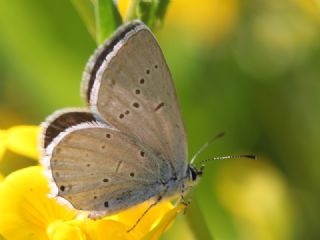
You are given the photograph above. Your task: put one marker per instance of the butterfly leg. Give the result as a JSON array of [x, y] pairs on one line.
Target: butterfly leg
[[159, 198], [183, 190], [183, 193], [145, 212], [183, 199]]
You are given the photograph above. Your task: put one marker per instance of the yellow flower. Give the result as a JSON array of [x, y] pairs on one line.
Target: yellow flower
[[207, 20], [21, 140], [28, 213], [25, 209], [312, 7], [258, 197]]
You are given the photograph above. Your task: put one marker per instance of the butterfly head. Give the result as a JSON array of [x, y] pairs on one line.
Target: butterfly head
[[193, 174]]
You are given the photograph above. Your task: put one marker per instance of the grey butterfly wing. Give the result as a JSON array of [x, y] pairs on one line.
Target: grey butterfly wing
[[98, 168], [127, 82]]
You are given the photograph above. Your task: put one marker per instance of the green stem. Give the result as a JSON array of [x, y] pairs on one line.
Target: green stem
[[86, 12], [107, 19], [196, 222], [132, 10]]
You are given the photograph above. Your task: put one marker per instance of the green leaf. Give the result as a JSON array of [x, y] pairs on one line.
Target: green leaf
[[107, 19], [147, 11], [152, 12], [85, 9], [161, 11]]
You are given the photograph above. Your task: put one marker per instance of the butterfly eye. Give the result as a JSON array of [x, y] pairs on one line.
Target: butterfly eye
[[148, 71], [142, 81]]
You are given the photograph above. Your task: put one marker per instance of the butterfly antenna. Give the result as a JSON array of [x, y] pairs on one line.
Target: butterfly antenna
[[248, 156], [206, 145]]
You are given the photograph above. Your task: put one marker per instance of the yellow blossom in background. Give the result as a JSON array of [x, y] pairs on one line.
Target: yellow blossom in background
[[312, 7], [21, 140], [280, 35], [258, 197], [28, 213], [208, 20]]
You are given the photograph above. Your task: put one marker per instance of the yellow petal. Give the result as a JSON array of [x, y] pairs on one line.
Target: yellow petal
[[25, 209], [131, 215], [23, 140], [106, 229], [1, 178], [123, 7], [89, 229], [116, 226], [165, 222], [65, 230]]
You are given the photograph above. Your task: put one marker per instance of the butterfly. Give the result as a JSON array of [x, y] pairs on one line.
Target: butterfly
[[129, 145]]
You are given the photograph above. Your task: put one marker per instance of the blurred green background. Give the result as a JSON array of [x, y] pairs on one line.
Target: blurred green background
[[250, 68]]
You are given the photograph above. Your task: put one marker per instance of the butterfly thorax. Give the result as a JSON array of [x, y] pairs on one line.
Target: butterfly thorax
[[170, 188]]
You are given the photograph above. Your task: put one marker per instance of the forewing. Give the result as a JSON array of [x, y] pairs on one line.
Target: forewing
[[98, 168], [134, 92]]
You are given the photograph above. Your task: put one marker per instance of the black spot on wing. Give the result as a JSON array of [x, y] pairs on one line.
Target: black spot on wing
[[160, 105], [137, 91], [136, 105]]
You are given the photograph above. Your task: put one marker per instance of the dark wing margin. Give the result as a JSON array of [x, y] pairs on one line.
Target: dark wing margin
[[100, 55], [60, 121]]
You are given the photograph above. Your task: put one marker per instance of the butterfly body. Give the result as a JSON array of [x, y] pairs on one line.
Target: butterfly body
[[129, 144]]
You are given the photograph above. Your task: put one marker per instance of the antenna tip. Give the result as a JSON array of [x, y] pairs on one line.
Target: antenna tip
[[249, 156], [220, 135]]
